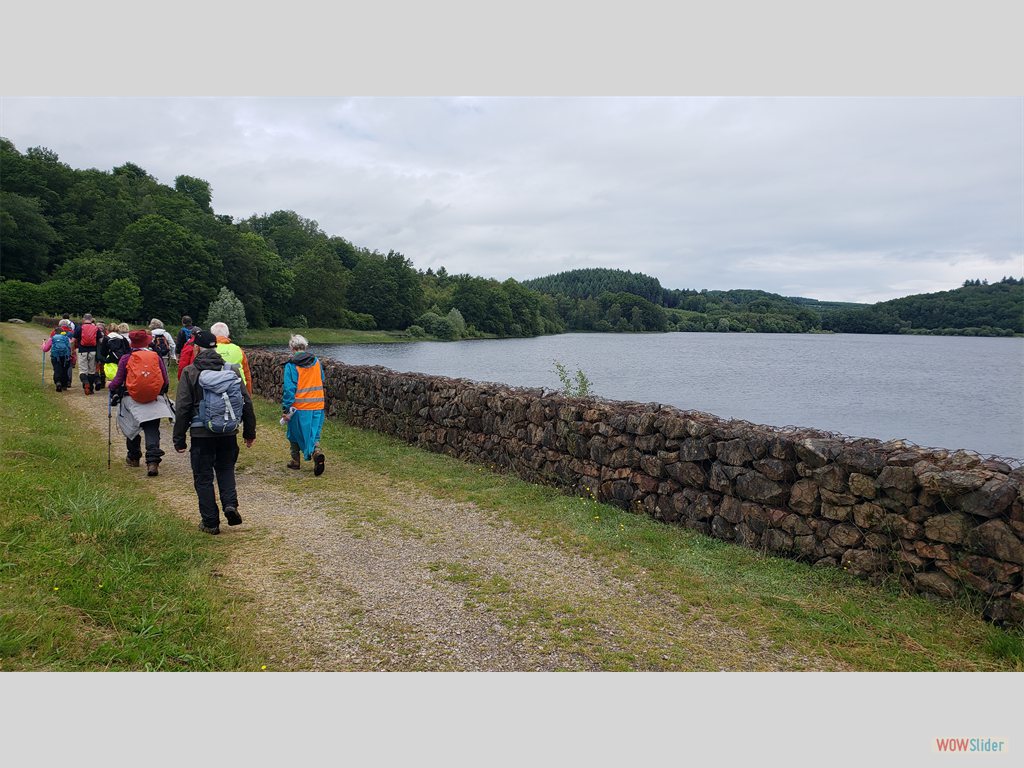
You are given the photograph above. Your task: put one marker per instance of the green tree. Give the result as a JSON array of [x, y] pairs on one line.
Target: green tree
[[388, 288], [25, 238], [228, 308], [408, 288], [321, 287], [89, 275], [196, 189], [458, 322], [20, 299], [176, 273], [290, 235], [122, 299], [275, 279], [94, 212]]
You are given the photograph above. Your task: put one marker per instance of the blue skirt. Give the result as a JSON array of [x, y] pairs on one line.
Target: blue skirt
[[304, 429]]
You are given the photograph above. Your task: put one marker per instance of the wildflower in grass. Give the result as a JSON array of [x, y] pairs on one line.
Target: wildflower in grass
[[56, 589], [263, 668]]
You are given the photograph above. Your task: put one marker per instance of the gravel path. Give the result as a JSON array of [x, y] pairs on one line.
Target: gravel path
[[351, 572]]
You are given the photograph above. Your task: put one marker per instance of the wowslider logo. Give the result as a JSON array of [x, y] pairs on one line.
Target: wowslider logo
[[971, 745]]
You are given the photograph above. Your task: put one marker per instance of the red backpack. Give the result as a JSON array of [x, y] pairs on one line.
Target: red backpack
[[89, 335], [144, 380]]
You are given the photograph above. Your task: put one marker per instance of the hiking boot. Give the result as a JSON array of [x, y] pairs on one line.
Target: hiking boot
[[59, 387], [87, 388], [232, 516], [131, 462], [318, 463], [207, 529], [152, 469], [293, 464]]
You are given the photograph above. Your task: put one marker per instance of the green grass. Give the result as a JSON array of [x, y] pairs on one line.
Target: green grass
[[96, 574], [820, 611], [66, 528], [280, 336]]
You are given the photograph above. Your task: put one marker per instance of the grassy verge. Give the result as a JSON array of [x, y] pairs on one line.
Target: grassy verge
[[278, 336], [266, 337], [96, 574], [820, 611]]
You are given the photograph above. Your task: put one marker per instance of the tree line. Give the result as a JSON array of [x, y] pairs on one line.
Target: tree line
[[121, 244], [615, 300], [975, 309]]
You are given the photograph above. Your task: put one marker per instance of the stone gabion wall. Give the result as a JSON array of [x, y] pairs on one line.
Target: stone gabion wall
[[49, 322], [943, 521]]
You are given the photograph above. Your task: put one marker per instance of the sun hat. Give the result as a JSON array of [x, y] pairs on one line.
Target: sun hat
[[139, 338]]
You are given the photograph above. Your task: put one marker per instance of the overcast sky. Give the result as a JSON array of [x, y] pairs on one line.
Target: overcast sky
[[848, 199]]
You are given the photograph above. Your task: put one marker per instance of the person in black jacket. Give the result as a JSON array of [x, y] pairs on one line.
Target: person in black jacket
[[113, 346], [184, 334], [212, 454]]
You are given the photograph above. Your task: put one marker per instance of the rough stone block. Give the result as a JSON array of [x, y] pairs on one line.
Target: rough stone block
[[804, 497], [864, 486], [996, 539], [951, 528]]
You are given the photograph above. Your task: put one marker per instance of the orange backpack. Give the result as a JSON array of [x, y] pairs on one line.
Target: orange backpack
[[144, 380]]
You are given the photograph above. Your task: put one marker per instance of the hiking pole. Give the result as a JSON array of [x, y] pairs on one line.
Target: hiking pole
[[108, 428], [42, 371]]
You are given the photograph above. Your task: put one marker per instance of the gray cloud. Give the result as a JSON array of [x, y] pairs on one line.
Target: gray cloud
[[848, 199]]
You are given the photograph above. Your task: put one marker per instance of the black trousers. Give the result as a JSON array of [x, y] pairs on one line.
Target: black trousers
[[61, 370], [151, 429], [214, 457]]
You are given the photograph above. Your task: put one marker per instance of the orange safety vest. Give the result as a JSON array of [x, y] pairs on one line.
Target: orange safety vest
[[309, 391]]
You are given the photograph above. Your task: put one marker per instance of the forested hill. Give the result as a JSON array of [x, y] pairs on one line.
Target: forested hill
[[590, 283], [619, 300], [975, 309], [123, 246]]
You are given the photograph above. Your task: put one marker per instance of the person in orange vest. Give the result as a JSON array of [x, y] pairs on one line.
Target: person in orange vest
[[302, 404]]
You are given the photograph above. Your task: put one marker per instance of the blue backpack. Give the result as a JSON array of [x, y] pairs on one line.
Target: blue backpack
[[220, 410], [60, 346]]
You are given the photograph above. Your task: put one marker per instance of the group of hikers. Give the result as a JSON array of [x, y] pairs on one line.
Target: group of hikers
[[213, 400]]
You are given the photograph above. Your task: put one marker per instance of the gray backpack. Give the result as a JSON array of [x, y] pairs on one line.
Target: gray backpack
[[220, 410]]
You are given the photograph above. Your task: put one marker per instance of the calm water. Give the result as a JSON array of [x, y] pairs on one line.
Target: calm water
[[945, 392]]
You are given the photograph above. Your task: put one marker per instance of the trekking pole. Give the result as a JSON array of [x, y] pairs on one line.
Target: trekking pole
[[42, 371], [108, 429]]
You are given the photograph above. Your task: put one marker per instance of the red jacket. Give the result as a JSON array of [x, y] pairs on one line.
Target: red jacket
[[187, 354]]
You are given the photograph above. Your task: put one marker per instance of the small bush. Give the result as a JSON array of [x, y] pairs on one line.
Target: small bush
[[573, 386], [228, 308], [19, 299]]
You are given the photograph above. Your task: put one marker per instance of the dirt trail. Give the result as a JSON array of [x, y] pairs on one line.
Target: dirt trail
[[349, 572]]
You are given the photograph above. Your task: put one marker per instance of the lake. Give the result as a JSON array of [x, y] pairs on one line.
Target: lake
[[935, 391]]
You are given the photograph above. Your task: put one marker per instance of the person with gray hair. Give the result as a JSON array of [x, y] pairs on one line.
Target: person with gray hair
[[302, 405], [232, 353], [163, 343]]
